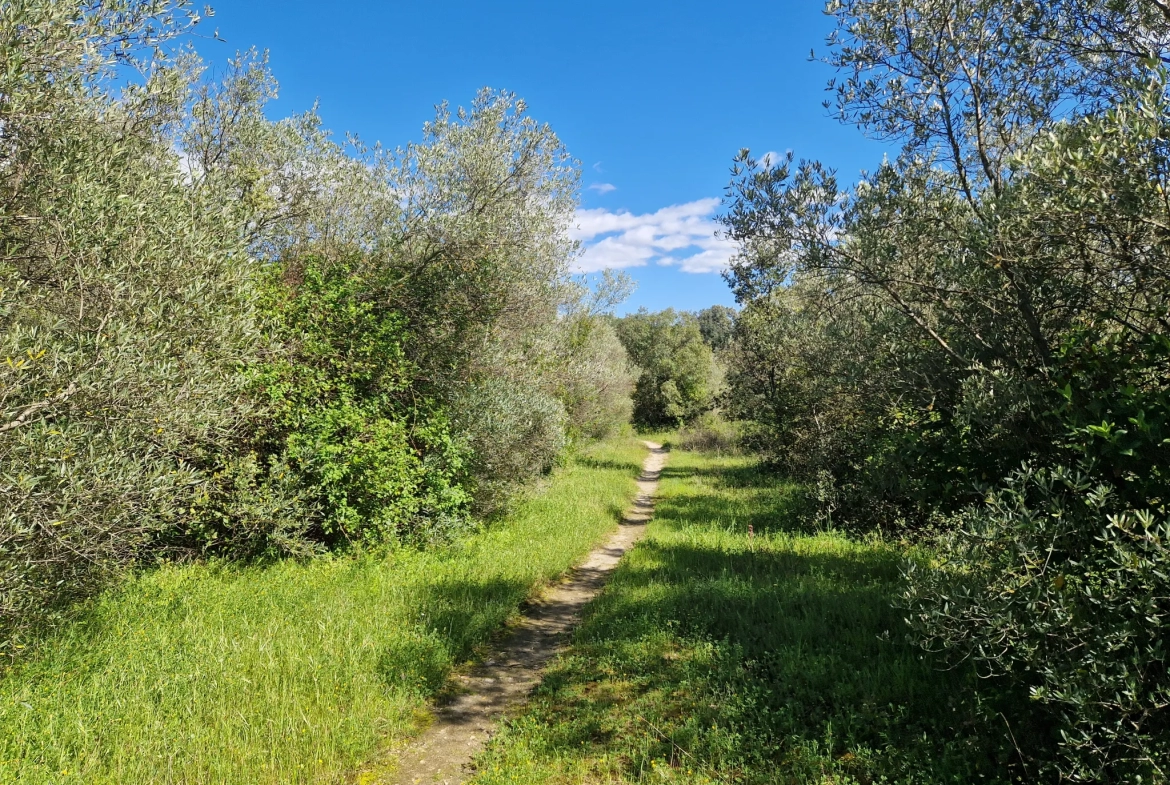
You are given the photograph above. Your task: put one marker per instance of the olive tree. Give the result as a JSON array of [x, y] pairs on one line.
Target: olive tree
[[124, 307], [973, 338]]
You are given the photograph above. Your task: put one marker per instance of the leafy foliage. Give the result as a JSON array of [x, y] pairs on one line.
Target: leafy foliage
[[678, 376], [1049, 586], [364, 461], [973, 338], [226, 334], [716, 325], [124, 313]]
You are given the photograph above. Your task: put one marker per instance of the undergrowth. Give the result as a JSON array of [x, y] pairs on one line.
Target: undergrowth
[[293, 672]]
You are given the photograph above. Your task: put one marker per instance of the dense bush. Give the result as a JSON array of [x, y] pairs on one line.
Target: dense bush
[[226, 334], [413, 375], [340, 437], [124, 313], [972, 340], [1055, 585], [595, 377], [710, 433], [598, 378], [678, 377]]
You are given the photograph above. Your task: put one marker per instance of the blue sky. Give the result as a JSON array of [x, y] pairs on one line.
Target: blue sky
[[654, 99]]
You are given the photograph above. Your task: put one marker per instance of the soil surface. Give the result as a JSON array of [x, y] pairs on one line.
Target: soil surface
[[461, 727]]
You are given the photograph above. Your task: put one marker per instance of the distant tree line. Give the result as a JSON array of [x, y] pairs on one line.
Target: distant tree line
[[676, 355], [226, 335], [971, 346]]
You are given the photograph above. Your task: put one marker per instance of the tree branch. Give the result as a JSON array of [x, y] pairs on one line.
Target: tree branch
[[33, 408]]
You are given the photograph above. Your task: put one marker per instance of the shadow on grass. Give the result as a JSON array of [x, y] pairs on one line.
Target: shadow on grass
[[723, 659], [776, 503], [454, 616], [610, 465], [744, 475]]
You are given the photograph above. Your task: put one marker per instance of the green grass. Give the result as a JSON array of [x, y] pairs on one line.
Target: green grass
[[718, 656], [289, 673]]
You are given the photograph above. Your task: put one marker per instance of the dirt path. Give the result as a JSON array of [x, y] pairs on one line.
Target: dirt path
[[461, 727]]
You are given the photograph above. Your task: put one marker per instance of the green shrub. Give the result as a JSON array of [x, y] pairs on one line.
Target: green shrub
[[710, 433], [595, 379], [1058, 586], [125, 309], [513, 432], [1062, 593], [341, 433]]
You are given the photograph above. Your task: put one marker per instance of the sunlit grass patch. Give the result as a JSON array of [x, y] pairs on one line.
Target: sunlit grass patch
[[292, 672], [733, 647]]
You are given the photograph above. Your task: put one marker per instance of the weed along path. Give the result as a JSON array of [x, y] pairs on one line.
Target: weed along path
[[293, 672], [463, 725], [739, 644]]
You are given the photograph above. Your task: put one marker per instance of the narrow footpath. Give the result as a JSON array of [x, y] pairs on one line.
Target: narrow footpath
[[440, 755]]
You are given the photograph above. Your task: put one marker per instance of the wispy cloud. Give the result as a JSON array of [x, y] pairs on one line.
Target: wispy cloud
[[603, 188], [682, 235]]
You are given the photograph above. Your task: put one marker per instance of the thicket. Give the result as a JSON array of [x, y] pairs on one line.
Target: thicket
[[972, 344], [679, 375], [229, 335]]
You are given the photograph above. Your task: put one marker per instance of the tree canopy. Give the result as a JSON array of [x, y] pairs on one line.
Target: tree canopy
[[677, 373]]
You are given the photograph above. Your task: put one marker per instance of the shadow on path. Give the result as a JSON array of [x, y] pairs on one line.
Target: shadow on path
[[463, 724], [714, 657]]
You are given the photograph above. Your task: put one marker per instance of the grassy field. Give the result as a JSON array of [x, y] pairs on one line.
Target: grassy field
[[289, 673], [730, 648]]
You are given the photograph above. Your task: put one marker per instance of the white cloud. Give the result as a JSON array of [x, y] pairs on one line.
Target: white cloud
[[772, 159], [682, 235], [603, 188]]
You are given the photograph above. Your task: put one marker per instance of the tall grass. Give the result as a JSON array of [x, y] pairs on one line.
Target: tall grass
[[733, 646], [292, 672]]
